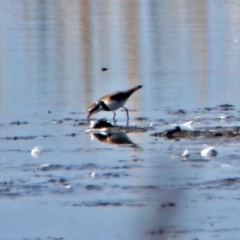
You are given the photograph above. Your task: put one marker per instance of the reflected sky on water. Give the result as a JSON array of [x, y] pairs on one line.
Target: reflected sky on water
[[186, 54]]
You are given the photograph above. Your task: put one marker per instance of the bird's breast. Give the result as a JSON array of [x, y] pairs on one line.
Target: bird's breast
[[114, 105]]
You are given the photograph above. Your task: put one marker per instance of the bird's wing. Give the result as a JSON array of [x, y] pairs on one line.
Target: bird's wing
[[116, 96]]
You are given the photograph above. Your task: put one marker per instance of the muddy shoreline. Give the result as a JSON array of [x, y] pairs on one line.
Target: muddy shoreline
[[213, 132]]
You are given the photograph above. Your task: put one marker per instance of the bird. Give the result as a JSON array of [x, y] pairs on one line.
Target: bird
[[112, 102]]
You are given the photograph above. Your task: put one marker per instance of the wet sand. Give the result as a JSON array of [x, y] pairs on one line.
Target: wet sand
[[131, 176]]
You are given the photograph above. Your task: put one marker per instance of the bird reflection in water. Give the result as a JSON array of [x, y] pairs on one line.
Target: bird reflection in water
[[119, 138], [101, 130]]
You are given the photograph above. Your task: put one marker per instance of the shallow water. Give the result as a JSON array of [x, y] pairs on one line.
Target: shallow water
[[185, 54]]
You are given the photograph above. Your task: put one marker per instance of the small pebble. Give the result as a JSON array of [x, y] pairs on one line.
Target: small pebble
[[208, 152], [37, 152]]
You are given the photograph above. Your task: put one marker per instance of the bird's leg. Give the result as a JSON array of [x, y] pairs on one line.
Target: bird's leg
[[114, 115], [126, 112], [114, 120]]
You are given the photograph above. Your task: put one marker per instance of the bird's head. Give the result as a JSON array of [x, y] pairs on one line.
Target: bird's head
[[94, 108]]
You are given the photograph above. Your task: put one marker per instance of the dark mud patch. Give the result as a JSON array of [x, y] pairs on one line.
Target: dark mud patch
[[74, 121], [108, 204], [18, 123], [90, 166], [214, 132], [93, 187], [51, 180], [71, 135], [15, 138], [226, 183], [213, 188], [176, 112], [176, 233], [47, 238], [80, 124], [168, 204], [226, 107], [141, 118], [19, 138], [60, 186], [114, 175]]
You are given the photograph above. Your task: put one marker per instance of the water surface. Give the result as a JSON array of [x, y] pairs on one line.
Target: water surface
[[184, 53]]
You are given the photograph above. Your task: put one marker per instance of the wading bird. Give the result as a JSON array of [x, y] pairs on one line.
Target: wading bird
[[112, 102]]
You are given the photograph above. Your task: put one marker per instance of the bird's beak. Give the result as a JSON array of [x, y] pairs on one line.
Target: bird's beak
[[89, 114]]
